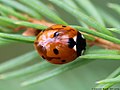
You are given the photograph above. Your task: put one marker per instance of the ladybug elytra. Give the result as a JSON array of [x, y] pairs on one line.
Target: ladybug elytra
[[60, 44]]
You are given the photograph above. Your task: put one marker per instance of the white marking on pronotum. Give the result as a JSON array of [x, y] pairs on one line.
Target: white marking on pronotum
[[82, 36], [75, 38], [82, 51], [75, 48]]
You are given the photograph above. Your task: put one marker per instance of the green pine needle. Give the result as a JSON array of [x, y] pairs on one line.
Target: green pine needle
[[90, 21], [26, 71], [22, 23], [22, 8], [90, 7], [44, 10], [55, 72], [98, 34], [9, 11], [15, 37], [112, 80], [85, 13], [101, 56], [112, 75], [18, 61], [116, 30], [109, 19], [115, 7], [103, 51]]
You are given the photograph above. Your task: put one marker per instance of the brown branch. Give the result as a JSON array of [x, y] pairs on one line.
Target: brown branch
[[103, 43], [33, 31], [98, 41]]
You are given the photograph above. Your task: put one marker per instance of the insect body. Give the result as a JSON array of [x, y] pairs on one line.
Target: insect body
[[60, 44]]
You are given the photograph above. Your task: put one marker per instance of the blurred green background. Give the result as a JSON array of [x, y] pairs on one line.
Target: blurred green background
[[81, 78]]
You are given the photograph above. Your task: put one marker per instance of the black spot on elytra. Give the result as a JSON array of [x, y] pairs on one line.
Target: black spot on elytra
[[63, 26], [63, 61], [55, 51], [71, 43], [56, 34], [80, 44]]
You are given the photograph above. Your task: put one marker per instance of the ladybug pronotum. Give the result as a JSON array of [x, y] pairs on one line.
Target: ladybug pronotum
[[60, 44]]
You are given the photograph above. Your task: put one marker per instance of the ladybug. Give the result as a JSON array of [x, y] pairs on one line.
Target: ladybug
[[60, 44]]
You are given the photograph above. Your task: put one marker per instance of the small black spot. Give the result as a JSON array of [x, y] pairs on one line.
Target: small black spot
[[43, 57], [63, 61], [63, 26], [71, 43], [56, 34], [55, 51]]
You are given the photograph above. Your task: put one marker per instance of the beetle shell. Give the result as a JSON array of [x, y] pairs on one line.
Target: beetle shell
[[60, 44]]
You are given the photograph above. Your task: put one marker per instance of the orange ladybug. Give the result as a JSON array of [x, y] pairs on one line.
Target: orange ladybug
[[60, 44]]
